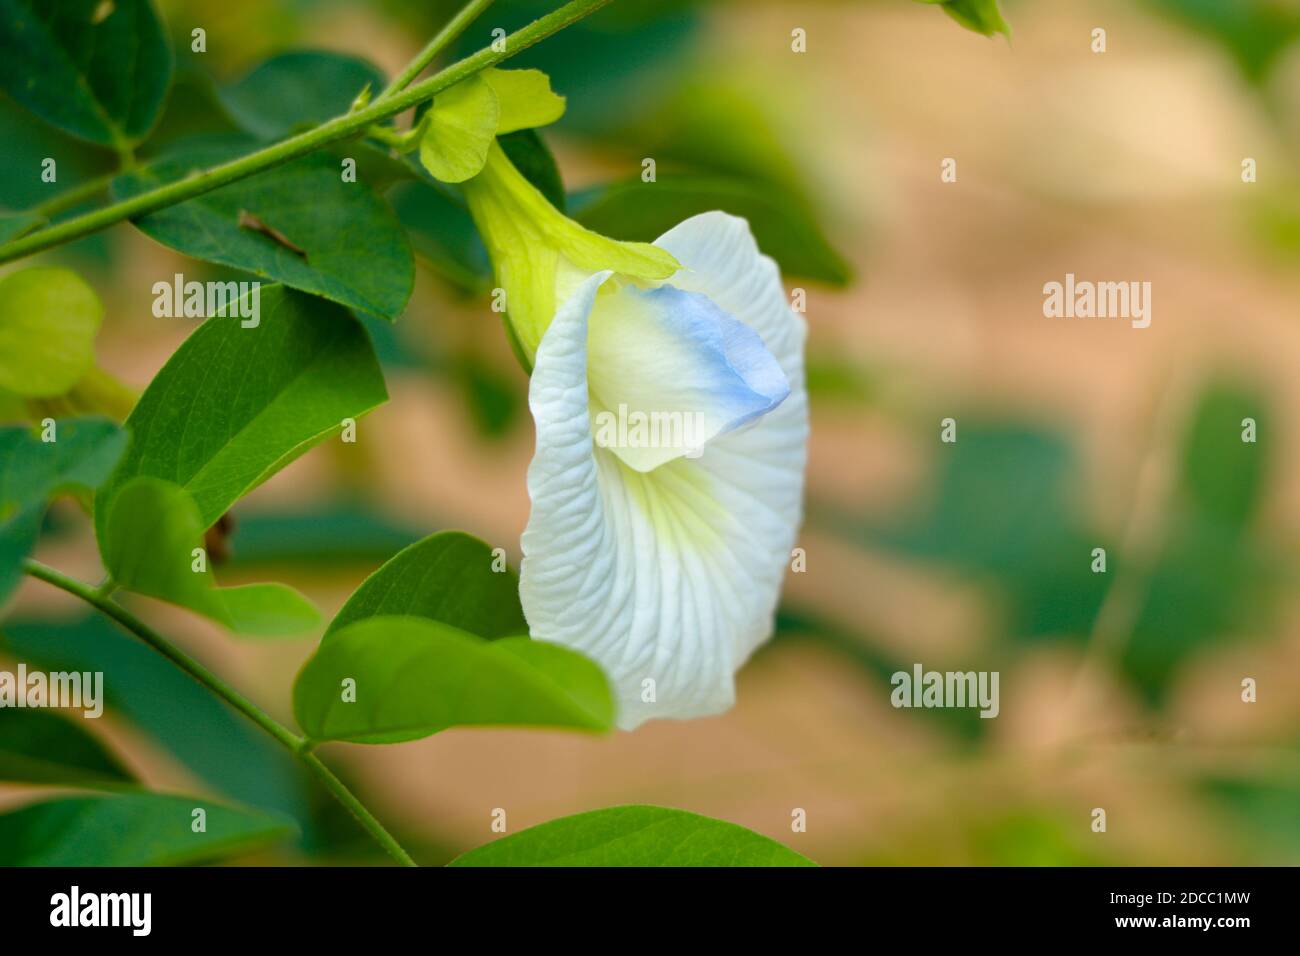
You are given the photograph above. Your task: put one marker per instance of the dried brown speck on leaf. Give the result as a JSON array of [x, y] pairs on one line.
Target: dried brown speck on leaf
[[249, 221]]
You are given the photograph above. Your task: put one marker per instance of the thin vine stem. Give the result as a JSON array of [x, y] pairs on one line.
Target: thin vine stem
[[299, 746], [441, 40], [331, 131]]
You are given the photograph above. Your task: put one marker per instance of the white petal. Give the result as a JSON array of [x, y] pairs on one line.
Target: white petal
[[668, 371], [720, 258], [758, 470], [670, 575]]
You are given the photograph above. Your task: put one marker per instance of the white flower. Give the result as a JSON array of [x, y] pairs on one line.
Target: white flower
[[664, 564], [660, 559]]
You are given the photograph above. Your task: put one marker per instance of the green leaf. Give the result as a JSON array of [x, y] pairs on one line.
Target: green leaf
[[713, 125], [132, 829], [1256, 33], [193, 111], [102, 78], [785, 229], [1260, 810], [447, 578], [634, 836], [48, 321], [377, 166], [296, 89], [963, 726], [27, 142], [268, 609], [834, 378], [982, 16], [1213, 580], [1223, 477], [416, 677], [80, 455], [607, 62], [248, 401], [150, 532], [40, 746], [443, 235], [1210, 584], [317, 233], [31, 471], [461, 125], [493, 398]]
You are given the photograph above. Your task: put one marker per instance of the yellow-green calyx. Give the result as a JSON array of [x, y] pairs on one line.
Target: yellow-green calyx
[[539, 254], [464, 121]]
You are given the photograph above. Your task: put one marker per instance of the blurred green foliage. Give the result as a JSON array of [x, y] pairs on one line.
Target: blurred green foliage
[[41, 746], [1255, 33], [214, 742], [1005, 509], [1262, 810]]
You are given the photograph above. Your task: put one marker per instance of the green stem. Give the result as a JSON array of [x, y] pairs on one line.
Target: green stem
[[299, 746], [402, 142], [441, 40], [331, 131]]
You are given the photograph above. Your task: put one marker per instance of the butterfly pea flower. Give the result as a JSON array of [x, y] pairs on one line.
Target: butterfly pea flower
[[672, 421]]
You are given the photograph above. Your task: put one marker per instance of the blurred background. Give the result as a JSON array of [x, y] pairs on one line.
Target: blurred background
[[1120, 690]]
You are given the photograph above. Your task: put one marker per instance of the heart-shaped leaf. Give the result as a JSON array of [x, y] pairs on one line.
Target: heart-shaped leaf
[[634, 836], [96, 69], [389, 679]]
